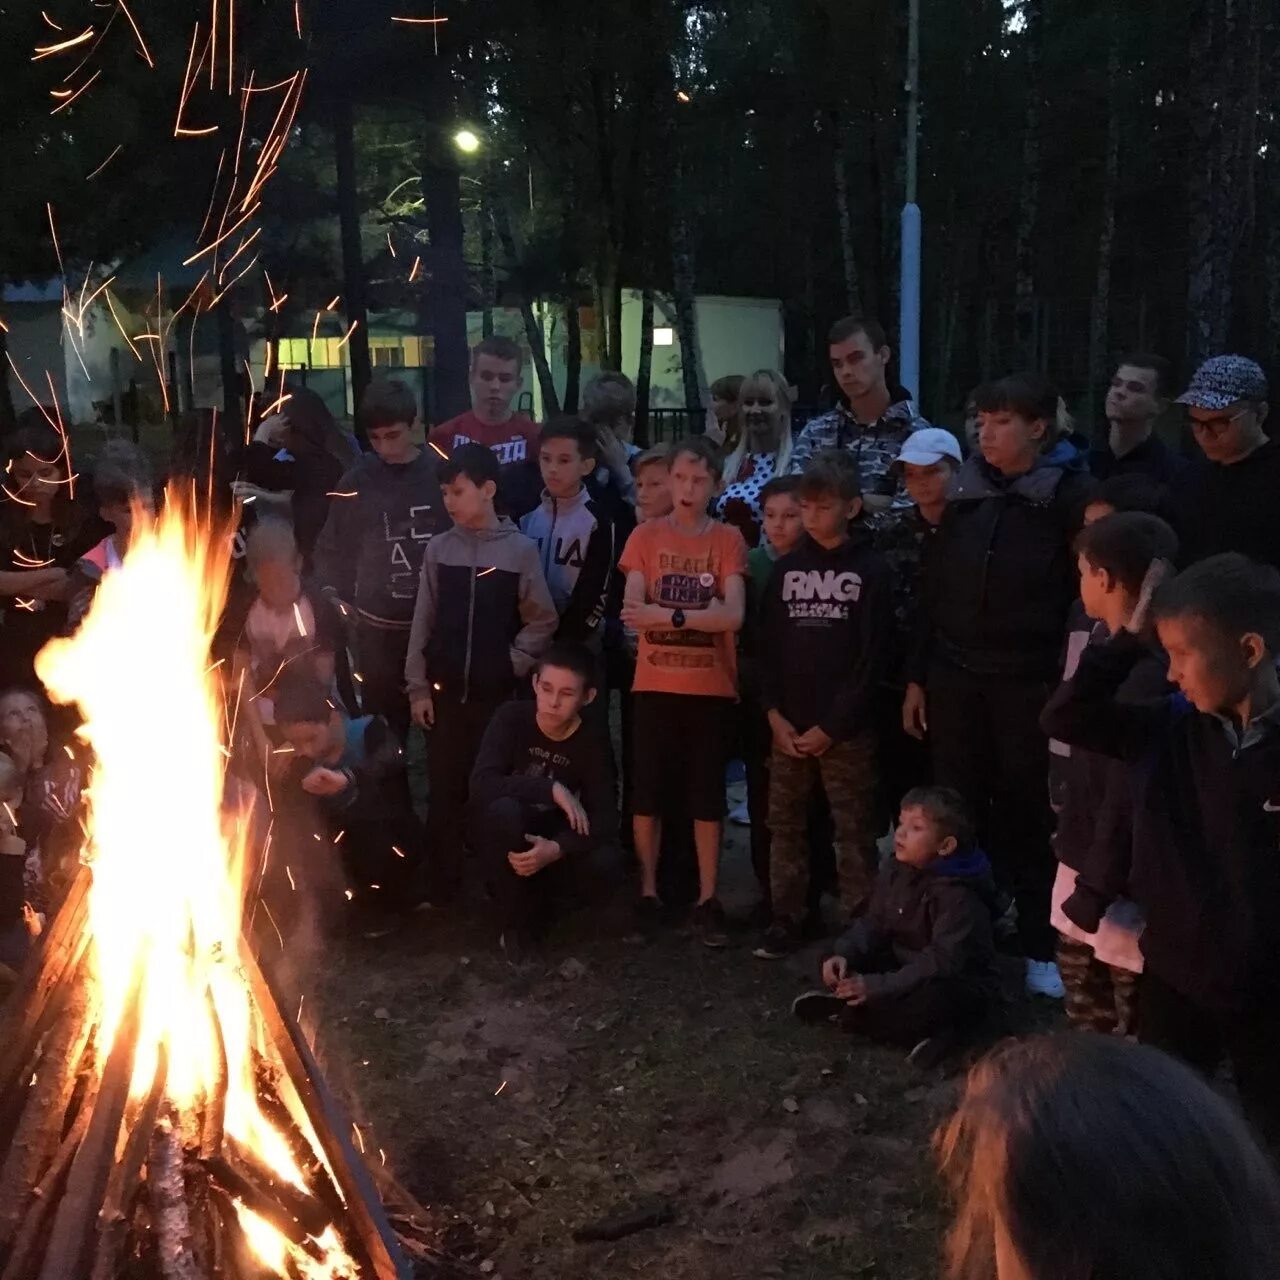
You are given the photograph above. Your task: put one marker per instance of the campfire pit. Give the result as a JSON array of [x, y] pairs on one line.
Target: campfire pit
[[160, 1116]]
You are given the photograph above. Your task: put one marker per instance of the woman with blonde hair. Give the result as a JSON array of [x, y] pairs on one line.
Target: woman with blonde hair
[[764, 451]]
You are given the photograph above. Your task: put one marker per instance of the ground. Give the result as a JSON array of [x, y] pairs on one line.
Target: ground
[[521, 1105]]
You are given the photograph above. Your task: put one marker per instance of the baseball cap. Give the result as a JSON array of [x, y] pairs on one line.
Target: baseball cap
[[929, 445], [1224, 380]]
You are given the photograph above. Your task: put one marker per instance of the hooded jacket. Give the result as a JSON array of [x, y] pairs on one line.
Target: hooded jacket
[[927, 923], [381, 518], [483, 614], [826, 623], [1002, 573], [578, 548]]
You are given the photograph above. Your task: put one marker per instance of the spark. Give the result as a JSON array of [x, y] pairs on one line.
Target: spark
[[413, 271], [349, 894], [315, 328], [297, 17], [240, 248], [275, 407], [500, 1088], [297, 617], [12, 816], [289, 873], [337, 297], [106, 162], [382, 1155], [421, 22], [226, 235], [217, 178], [50, 21], [359, 1137], [188, 83], [302, 999], [231, 46], [27, 606], [4, 328], [390, 245], [438, 449], [682, 96], [346, 336], [484, 573], [62, 106], [399, 853], [340, 493], [283, 751], [275, 926], [49, 50], [142, 44], [24, 561], [253, 262], [338, 838], [137, 355]]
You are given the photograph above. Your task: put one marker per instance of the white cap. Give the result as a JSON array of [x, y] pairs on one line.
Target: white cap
[[929, 445]]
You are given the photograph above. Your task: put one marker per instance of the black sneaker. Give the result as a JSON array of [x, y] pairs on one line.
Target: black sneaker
[[708, 924], [817, 1006], [779, 941], [648, 918]]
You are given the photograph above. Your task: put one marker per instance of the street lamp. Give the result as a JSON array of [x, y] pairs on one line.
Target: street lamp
[[467, 141]]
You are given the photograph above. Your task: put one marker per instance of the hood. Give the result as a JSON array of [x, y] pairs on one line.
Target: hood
[[1070, 454], [972, 864], [505, 529], [859, 536], [978, 479]]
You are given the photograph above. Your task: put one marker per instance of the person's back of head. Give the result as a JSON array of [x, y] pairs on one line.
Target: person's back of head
[[831, 473], [312, 427], [1124, 545], [301, 698], [1083, 1157], [609, 400], [1134, 491]]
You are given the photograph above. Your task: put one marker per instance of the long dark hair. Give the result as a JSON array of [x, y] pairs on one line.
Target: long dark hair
[[43, 442], [312, 426], [1100, 1160]]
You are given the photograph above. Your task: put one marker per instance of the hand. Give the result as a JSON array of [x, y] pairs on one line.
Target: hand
[[44, 584], [1157, 572], [713, 428], [915, 720], [814, 742], [784, 734], [325, 782], [31, 921], [572, 809], [423, 710], [12, 846], [643, 616], [834, 971], [540, 853], [243, 491], [853, 989]]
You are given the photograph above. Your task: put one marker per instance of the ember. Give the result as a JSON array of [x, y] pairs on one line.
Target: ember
[[172, 1122]]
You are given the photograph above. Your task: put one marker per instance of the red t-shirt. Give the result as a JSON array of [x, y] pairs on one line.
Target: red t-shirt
[[514, 441], [684, 571]]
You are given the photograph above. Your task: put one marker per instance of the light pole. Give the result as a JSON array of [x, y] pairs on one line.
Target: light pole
[[909, 307]]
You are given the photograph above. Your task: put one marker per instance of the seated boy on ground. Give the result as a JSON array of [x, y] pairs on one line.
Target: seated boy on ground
[[919, 969], [542, 816]]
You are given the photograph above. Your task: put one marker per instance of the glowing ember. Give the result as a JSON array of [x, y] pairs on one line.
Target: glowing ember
[[166, 894]]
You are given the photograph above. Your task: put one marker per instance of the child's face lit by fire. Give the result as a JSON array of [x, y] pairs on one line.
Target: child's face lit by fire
[[312, 740], [279, 582], [23, 731]]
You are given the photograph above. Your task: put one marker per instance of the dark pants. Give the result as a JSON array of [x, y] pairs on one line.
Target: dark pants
[[380, 658], [620, 674], [452, 746], [526, 903], [756, 742], [939, 1007], [1204, 1037], [987, 744], [903, 760]]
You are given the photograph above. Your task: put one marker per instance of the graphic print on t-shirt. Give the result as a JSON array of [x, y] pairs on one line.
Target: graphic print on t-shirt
[[407, 544], [683, 582], [825, 597], [506, 451]]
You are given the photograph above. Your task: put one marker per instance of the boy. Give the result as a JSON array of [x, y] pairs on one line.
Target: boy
[[653, 483], [685, 595], [370, 552], [825, 630], [1205, 806], [542, 807], [496, 378], [1099, 967], [355, 769], [482, 618], [609, 409], [919, 969], [575, 537]]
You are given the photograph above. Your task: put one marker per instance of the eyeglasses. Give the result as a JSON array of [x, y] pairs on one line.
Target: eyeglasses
[[1218, 426]]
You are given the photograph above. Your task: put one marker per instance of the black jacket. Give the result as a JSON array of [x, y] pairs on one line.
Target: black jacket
[[1235, 508], [927, 924], [1152, 458], [1206, 829], [311, 476], [1002, 574], [826, 624]]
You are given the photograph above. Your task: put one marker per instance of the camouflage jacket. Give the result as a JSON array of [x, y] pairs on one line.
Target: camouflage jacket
[[905, 542]]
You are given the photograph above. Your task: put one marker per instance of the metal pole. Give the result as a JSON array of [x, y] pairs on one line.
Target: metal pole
[[909, 320]]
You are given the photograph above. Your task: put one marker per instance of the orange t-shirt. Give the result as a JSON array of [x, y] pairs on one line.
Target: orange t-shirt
[[683, 571]]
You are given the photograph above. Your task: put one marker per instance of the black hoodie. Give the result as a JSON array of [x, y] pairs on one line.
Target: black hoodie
[[826, 623]]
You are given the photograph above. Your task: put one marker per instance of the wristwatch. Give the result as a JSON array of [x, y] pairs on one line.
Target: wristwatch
[[677, 619]]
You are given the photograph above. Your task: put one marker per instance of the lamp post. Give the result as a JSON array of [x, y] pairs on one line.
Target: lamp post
[[909, 294]]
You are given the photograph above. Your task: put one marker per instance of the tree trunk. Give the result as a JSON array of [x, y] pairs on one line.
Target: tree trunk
[[533, 330], [7, 415], [1029, 192], [840, 165], [1100, 319], [644, 371], [684, 291], [1204, 241], [443, 303], [230, 370], [488, 277], [572, 355], [353, 278]]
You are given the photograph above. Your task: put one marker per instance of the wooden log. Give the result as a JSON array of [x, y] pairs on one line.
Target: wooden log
[[122, 1185], [73, 1226], [40, 1128], [261, 1200], [215, 1111], [166, 1190], [236, 1257], [301, 1205]]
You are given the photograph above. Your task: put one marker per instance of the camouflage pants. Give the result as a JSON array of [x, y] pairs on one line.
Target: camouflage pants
[[847, 773], [1100, 997]]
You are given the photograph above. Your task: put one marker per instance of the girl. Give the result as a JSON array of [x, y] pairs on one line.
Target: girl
[[764, 451]]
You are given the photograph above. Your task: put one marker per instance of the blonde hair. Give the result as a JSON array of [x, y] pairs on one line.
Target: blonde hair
[[658, 456], [271, 539], [782, 393]]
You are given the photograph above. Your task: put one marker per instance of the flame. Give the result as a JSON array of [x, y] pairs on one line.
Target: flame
[[167, 861]]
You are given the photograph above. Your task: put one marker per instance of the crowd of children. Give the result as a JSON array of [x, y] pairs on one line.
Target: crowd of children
[[874, 623]]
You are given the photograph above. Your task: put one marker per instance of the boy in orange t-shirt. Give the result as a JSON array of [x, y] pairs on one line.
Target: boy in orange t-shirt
[[685, 595]]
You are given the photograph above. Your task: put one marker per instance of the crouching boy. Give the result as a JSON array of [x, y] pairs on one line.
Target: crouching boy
[[542, 817], [919, 969]]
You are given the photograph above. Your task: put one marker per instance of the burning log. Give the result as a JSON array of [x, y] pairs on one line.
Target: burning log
[[166, 1189]]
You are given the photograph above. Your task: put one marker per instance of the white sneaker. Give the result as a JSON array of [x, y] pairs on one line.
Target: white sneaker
[[1043, 979], [739, 816]]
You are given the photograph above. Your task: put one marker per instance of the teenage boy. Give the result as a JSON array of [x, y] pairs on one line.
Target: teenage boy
[[685, 595], [542, 817], [919, 969], [496, 378], [873, 418], [1138, 396], [1094, 834], [370, 551], [1232, 502], [482, 618], [825, 630], [575, 537], [1206, 815], [609, 409]]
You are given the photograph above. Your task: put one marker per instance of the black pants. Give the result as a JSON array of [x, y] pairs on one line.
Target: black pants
[[526, 903], [380, 658], [940, 1006], [1204, 1037], [452, 746], [987, 744], [903, 761], [620, 674]]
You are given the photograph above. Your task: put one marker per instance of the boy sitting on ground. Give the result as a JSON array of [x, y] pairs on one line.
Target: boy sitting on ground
[[542, 816], [919, 969]]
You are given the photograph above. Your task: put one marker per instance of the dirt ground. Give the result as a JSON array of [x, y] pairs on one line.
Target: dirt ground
[[520, 1105]]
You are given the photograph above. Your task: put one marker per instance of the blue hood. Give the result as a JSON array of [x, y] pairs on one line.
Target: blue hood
[[971, 864], [1065, 454]]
